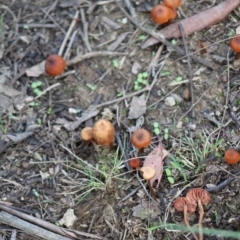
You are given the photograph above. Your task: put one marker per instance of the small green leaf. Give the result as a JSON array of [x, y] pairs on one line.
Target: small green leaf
[[140, 80], [144, 82], [174, 41], [166, 136], [163, 74], [166, 131], [157, 131], [171, 180], [145, 74], [115, 63], [155, 125], [168, 172]]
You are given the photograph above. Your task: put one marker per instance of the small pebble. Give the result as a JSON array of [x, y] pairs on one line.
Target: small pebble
[[170, 101]]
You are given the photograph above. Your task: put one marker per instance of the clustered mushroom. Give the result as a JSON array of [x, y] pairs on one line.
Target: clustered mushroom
[[196, 197], [102, 133], [161, 14]]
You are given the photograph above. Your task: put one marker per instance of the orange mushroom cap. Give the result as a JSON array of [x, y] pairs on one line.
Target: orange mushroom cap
[[54, 65], [86, 134], [134, 162], [231, 156], [147, 172], [196, 194], [172, 3], [181, 201], [235, 43], [160, 14], [141, 138], [103, 132]]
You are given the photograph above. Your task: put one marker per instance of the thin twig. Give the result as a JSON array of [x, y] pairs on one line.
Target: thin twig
[[190, 74], [60, 52], [81, 57], [163, 40]]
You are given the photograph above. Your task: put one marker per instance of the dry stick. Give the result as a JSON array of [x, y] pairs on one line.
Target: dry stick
[[60, 52], [81, 57], [29, 228], [163, 40], [47, 225], [84, 34], [190, 74]]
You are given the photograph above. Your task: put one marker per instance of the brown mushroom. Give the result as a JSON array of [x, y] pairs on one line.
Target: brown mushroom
[[201, 197], [148, 173], [86, 134], [141, 138], [103, 132], [182, 204]]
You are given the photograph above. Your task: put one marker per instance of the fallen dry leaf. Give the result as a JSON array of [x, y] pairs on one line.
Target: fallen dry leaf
[[155, 160], [36, 70]]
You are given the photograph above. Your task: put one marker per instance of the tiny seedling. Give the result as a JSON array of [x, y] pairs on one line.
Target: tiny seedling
[[140, 81], [156, 128], [174, 41], [142, 37], [166, 133], [166, 73], [91, 86], [177, 79], [33, 104], [35, 87], [169, 175], [115, 63]]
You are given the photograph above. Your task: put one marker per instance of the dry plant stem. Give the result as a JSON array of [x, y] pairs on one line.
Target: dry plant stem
[[185, 215], [201, 215], [201, 20], [81, 57], [162, 39], [60, 52], [190, 74]]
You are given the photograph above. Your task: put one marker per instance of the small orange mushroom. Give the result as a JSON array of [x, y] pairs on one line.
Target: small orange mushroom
[[141, 138], [103, 132], [148, 173], [201, 197], [235, 43], [134, 162], [160, 14], [172, 3], [54, 65], [231, 156]]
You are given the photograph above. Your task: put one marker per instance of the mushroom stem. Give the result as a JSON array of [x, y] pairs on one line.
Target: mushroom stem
[[185, 215], [201, 215], [151, 190]]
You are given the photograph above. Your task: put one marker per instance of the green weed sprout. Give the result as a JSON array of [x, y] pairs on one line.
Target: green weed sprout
[[156, 128], [169, 175], [115, 63], [35, 87], [91, 86], [166, 133], [140, 81]]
